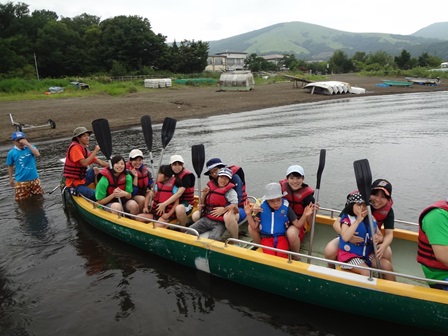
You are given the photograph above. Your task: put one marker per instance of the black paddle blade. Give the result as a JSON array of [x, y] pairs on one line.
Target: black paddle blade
[[147, 130], [321, 167], [363, 178], [198, 158], [168, 128], [103, 137]]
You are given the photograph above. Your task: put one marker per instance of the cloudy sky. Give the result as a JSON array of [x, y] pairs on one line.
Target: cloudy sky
[[209, 20]]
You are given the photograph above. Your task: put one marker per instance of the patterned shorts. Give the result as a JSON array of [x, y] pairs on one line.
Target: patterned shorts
[[358, 262], [28, 188]]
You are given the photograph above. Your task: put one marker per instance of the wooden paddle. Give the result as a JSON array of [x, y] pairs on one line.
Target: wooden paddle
[[103, 136], [320, 169], [364, 182], [198, 159], [168, 128]]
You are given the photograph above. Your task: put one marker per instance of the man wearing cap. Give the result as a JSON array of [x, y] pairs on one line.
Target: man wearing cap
[[219, 200], [22, 157], [77, 159], [142, 177], [213, 165], [185, 181]]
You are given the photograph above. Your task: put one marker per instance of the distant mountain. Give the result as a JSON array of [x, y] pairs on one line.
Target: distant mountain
[[436, 30], [314, 42]]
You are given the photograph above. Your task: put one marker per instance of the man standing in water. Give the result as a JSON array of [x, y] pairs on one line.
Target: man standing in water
[[23, 157]]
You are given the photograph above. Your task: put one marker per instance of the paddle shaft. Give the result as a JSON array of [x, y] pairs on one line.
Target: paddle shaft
[[148, 134], [168, 128], [364, 182], [320, 169], [104, 138], [198, 159]]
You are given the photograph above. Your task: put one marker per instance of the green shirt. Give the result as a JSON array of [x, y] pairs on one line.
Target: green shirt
[[103, 184], [435, 225]]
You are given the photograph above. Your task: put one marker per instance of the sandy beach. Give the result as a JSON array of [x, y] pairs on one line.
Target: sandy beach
[[179, 103]]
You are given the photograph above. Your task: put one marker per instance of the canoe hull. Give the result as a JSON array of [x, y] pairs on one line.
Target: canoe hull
[[411, 305]]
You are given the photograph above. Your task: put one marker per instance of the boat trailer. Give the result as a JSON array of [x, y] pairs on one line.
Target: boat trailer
[[21, 126]]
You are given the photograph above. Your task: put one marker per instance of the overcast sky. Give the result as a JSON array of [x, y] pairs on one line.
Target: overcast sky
[[209, 20]]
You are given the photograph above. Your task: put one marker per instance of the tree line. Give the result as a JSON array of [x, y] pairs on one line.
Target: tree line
[[84, 45], [341, 63], [126, 45]]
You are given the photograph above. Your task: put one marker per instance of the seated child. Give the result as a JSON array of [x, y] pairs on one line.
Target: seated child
[[273, 219], [219, 198], [164, 188], [354, 220]]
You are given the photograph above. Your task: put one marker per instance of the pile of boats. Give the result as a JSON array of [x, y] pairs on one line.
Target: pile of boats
[[333, 88]]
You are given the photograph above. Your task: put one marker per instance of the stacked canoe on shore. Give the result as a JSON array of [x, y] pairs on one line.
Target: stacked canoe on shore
[[333, 88]]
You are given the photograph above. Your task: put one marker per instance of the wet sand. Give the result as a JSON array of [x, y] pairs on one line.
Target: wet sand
[[179, 103]]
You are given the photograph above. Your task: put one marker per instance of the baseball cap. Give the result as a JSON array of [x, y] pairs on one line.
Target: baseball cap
[[355, 197], [80, 131], [273, 191], [383, 185], [176, 158], [135, 153], [18, 135], [212, 163], [225, 172], [295, 169]]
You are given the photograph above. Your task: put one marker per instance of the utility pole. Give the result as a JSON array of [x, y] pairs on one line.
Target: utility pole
[[35, 63]]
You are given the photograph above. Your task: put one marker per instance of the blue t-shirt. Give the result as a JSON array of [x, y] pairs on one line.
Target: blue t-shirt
[[25, 163]]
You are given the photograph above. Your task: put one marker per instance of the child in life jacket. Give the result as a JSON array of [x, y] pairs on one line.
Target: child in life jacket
[[114, 188], [164, 188], [219, 200], [273, 219], [354, 220]]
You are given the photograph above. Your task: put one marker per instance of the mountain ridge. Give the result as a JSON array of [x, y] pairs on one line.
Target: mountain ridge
[[315, 42]]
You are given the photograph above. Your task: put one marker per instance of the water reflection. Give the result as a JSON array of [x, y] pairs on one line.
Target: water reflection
[[31, 214]]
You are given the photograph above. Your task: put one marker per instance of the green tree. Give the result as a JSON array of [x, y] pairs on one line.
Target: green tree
[[340, 63], [129, 41], [191, 57], [404, 61]]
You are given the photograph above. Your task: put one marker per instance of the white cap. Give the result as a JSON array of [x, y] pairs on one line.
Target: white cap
[[273, 191], [135, 153], [295, 169], [225, 172], [176, 158]]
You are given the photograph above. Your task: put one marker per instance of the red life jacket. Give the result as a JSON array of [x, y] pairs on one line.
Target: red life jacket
[[425, 253], [239, 171], [114, 181], [72, 169], [295, 198], [188, 194], [143, 177], [164, 191], [216, 198], [381, 213]]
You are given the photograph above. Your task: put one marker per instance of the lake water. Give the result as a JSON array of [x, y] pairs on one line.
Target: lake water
[[59, 276]]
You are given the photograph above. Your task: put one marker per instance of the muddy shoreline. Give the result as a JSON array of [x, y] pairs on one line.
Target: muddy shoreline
[[179, 103]]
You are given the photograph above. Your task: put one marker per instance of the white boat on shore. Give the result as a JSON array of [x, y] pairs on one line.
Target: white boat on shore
[[424, 81], [332, 88]]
